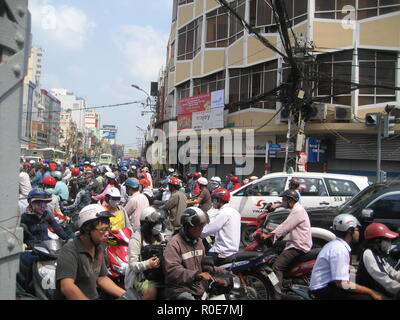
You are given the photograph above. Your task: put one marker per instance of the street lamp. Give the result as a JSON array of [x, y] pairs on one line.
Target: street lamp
[[148, 99]]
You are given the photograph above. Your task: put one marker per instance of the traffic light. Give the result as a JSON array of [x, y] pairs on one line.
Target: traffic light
[[371, 119], [383, 176], [388, 125]]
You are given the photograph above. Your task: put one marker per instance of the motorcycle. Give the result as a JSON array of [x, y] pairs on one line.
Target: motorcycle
[[117, 255], [43, 283], [247, 234], [224, 287]]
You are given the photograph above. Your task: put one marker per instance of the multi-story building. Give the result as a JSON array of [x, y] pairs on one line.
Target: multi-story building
[[71, 102], [34, 65], [52, 113], [354, 41], [68, 134]]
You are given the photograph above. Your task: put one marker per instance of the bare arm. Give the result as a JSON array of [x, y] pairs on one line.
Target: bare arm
[[353, 287], [110, 287], [71, 291], [198, 200]]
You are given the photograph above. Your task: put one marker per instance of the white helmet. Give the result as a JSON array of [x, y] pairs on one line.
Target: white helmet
[[91, 212], [110, 175], [113, 193], [93, 164], [203, 181], [253, 178], [151, 214], [171, 170], [344, 222], [216, 179], [133, 168]]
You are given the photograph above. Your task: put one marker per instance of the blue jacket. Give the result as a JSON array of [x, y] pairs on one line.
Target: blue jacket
[[37, 179], [60, 190], [38, 226]]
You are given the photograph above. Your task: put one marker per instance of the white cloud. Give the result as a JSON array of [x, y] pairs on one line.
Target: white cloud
[[65, 26], [144, 50]]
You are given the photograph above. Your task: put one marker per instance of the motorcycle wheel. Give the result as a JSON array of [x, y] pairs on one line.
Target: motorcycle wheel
[[246, 233], [259, 288]]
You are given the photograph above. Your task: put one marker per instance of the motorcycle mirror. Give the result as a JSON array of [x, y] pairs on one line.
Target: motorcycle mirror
[[367, 213]]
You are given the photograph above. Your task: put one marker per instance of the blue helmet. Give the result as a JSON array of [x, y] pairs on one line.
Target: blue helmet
[[132, 182], [124, 168]]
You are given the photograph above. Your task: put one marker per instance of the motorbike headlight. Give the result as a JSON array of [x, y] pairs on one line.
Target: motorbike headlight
[[236, 283]]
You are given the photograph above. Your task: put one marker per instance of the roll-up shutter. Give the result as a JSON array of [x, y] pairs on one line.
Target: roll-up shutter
[[364, 147]]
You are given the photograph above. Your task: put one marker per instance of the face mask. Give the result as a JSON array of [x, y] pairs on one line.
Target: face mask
[[285, 204], [385, 245], [114, 203], [156, 229], [39, 208]]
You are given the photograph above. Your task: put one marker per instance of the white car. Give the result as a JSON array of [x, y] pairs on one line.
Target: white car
[[317, 190]]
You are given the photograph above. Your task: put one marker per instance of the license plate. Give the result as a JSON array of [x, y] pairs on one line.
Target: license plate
[[273, 278]]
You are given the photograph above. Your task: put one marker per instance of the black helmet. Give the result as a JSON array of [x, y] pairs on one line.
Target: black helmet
[[193, 217], [292, 194], [35, 195]]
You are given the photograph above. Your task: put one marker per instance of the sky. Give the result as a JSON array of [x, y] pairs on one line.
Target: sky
[[98, 48]]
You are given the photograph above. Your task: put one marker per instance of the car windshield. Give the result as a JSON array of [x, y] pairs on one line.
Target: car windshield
[[349, 205]]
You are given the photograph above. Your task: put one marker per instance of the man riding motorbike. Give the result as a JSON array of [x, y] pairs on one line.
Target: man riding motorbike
[[81, 266], [204, 198], [330, 278], [225, 226], [183, 269], [299, 227]]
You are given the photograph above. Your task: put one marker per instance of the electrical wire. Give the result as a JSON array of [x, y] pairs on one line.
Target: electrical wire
[[85, 109]]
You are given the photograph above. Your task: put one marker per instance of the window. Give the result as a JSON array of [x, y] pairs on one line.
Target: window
[[208, 84], [184, 90], [387, 208], [181, 2], [235, 26], [312, 187], [377, 68], [217, 28], [332, 9], [250, 82], [189, 40], [268, 187], [341, 188], [262, 16], [334, 76]]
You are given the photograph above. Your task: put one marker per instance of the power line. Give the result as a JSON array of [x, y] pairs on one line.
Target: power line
[[80, 109]]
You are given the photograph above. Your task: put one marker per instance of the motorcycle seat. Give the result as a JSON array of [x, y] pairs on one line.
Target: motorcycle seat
[[242, 256], [311, 255]]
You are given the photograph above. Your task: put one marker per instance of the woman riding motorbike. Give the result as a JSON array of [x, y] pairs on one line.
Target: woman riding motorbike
[[144, 273]]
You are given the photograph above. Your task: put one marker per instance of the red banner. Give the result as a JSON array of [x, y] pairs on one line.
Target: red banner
[[194, 104]]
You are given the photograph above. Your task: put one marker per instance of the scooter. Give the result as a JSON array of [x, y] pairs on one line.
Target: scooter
[[43, 283], [117, 255]]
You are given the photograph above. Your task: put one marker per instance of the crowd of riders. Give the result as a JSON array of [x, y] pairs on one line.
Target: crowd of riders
[[169, 220]]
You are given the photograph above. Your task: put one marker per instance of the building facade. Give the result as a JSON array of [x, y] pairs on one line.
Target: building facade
[[353, 41]]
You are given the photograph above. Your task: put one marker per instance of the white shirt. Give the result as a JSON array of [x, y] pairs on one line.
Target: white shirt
[[226, 228], [333, 264], [24, 184]]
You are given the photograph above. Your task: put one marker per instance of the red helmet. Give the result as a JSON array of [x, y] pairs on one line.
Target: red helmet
[[174, 181], [53, 166], [235, 179], [49, 181], [76, 172], [196, 175], [221, 193], [379, 230], [142, 176]]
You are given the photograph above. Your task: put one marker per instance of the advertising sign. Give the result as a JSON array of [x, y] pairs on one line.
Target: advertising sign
[[205, 111], [317, 150]]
